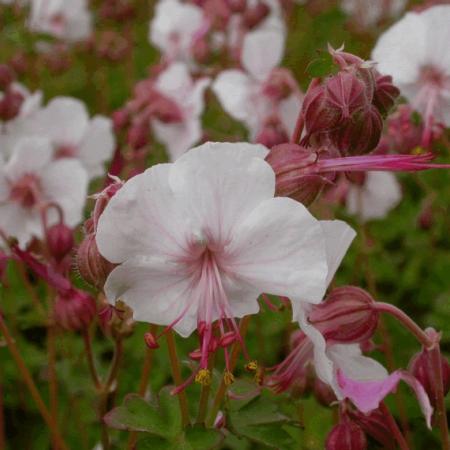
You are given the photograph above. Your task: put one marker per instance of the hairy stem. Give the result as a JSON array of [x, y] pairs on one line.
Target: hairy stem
[[204, 395], [90, 358]]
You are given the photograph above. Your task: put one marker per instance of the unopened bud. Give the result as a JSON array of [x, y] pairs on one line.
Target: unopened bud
[[272, 134], [74, 310], [256, 14], [138, 136], [7, 76], [10, 105], [385, 94], [200, 50], [346, 316], [60, 240], [120, 119], [166, 110], [151, 341], [93, 267], [346, 436]]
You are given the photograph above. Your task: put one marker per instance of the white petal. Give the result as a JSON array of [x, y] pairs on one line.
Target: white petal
[[156, 291], [17, 222], [289, 110], [338, 237], [97, 146], [280, 249], [219, 184], [175, 81], [233, 88], [262, 51], [379, 194], [143, 218], [65, 181]]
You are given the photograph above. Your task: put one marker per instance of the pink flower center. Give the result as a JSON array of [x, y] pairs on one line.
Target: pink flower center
[[66, 151], [433, 77], [57, 23], [27, 191]]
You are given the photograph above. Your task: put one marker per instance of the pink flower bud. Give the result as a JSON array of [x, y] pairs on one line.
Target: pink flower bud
[[59, 240], [288, 162], [93, 267], [346, 316], [74, 310], [361, 134], [421, 368], [385, 93], [256, 14], [166, 110], [150, 340], [7, 76], [138, 136], [10, 105], [272, 134], [19, 63], [200, 50], [237, 6], [120, 119], [346, 436]]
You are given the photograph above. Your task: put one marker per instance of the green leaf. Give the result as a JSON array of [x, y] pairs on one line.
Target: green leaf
[[321, 66], [162, 419], [272, 435], [155, 443], [201, 438]]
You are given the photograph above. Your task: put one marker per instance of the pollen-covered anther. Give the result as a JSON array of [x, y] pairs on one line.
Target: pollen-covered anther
[[203, 377], [228, 378], [252, 366]]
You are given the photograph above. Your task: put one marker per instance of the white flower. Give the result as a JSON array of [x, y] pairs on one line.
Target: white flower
[[65, 122], [174, 28], [66, 20], [415, 52], [30, 181], [368, 13], [243, 94], [376, 197], [200, 239], [177, 84]]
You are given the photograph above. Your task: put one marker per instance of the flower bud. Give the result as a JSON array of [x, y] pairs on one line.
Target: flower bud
[[346, 316], [19, 63], [421, 368], [93, 267], [200, 50], [74, 310], [10, 105], [150, 340], [120, 119], [166, 110], [346, 436], [256, 14], [6, 76], [59, 240], [138, 136], [385, 93], [289, 162], [237, 6], [271, 134], [361, 134]]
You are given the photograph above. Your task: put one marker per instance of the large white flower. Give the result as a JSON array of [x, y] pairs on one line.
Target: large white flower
[[415, 52], [65, 122], [174, 28], [246, 96], [198, 240], [379, 194], [32, 180], [67, 20], [177, 84]]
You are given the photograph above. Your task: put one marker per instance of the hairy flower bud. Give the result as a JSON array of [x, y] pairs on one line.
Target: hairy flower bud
[[346, 316], [346, 436], [60, 240], [93, 267], [385, 93], [288, 161], [74, 310], [7, 76]]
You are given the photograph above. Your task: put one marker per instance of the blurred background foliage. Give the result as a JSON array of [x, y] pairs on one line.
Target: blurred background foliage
[[404, 259]]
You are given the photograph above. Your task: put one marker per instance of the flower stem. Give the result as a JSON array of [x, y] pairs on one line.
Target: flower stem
[[2, 417], [52, 378], [394, 427], [406, 321], [441, 413], [204, 395], [90, 359], [176, 374], [26, 375], [221, 391]]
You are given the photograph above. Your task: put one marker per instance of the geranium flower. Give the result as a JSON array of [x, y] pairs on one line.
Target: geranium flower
[[66, 123], [414, 52], [200, 239], [177, 84], [262, 93], [32, 181], [174, 27], [67, 20]]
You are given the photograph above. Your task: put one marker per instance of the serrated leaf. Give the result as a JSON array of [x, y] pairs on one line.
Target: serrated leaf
[[136, 414], [272, 435], [258, 411]]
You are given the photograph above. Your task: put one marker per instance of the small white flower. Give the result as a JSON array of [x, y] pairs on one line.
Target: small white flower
[[414, 51], [30, 181], [67, 20], [200, 239], [177, 84], [379, 194]]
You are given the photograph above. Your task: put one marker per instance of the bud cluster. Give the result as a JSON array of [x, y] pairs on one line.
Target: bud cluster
[[347, 108], [10, 98]]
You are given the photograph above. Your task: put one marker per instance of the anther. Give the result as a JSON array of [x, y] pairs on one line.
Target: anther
[[203, 377]]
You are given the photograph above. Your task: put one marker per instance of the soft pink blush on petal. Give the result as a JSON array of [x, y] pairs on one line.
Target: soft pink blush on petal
[[366, 395]]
